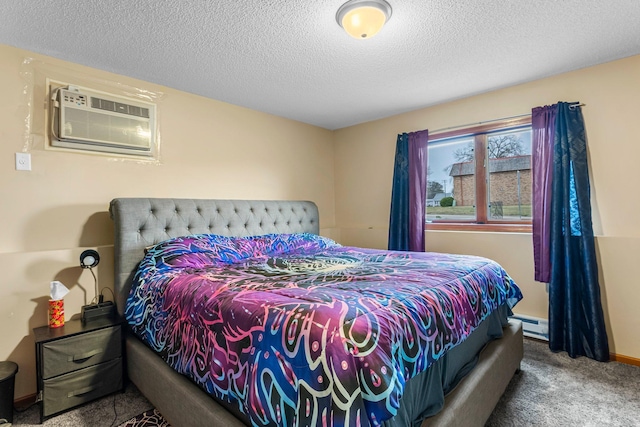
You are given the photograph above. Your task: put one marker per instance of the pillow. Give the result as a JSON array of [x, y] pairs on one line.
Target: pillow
[[202, 250]]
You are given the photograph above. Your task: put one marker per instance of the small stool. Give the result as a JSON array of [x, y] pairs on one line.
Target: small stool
[[8, 372]]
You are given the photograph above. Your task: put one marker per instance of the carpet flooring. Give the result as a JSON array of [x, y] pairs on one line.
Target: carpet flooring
[[551, 390]]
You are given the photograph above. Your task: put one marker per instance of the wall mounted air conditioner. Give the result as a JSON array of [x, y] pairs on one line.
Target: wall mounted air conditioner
[[83, 119]]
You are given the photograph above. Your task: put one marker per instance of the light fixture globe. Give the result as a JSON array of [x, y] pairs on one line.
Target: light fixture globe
[[363, 19]]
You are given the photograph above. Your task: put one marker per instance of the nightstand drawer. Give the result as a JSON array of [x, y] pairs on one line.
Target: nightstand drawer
[[69, 390], [80, 351]]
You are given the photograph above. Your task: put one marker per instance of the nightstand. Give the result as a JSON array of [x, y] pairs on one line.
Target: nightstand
[[77, 363]]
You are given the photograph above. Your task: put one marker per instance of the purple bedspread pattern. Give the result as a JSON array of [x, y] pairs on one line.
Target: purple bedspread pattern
[[296, 330]]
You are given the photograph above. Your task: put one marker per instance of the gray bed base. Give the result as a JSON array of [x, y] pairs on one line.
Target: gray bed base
[[141, 222]]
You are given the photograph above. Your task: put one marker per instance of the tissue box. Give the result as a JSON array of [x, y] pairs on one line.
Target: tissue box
[[56, 313]]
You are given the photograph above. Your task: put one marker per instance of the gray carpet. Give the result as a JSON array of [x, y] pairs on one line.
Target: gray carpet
[[551, 390]]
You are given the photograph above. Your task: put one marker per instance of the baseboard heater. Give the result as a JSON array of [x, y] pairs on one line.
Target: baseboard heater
[[533, 327]]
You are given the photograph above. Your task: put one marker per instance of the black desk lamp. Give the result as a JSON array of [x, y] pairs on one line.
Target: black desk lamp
[[97, 308], [90, 259]]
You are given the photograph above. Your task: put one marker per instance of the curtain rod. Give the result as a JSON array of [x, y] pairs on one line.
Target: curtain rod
[[572, 106]]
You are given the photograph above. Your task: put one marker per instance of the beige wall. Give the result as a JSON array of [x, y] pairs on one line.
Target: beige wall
[[364, 168], [209, 149]]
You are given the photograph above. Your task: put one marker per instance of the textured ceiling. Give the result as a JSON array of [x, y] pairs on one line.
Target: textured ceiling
[[290, 58]]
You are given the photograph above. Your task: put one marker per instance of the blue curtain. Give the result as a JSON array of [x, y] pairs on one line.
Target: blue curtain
[[576, 320], [398, 222], [409, 193]]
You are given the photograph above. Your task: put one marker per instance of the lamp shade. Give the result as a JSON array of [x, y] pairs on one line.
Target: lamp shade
[[89, 258], [363, 19]]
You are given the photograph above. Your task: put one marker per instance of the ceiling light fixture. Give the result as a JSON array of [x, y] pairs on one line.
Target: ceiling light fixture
[[363, 19]]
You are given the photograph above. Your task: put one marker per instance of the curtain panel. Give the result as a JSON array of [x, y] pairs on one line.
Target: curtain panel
[[561, 178], [543, 132], [409, 193]]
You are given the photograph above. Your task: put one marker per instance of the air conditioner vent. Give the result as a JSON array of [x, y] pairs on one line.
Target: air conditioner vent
[[132, 110]]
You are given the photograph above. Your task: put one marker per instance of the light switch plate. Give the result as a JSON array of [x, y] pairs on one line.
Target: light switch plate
[[23, 161]]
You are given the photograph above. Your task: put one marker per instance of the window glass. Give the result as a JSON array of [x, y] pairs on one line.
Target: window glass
[[509, 188], [481, 175], [451, 180]]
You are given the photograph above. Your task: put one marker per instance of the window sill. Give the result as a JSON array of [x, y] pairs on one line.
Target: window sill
[[467, 226]]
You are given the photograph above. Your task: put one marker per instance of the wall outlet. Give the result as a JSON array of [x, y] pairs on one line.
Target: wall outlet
[[23, 161]]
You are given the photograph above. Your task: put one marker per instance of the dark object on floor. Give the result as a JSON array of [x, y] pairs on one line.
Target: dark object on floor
[[8, 372], [150, 418]]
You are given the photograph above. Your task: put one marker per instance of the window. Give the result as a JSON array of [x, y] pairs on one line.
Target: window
[[480, 177]]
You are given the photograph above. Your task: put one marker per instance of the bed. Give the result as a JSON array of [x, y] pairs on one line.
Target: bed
[[472, 374]]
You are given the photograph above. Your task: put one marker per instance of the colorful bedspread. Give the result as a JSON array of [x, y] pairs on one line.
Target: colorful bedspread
[[297, 330]]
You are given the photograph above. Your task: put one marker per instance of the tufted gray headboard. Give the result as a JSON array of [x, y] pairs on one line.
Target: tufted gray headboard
[[142, 222]]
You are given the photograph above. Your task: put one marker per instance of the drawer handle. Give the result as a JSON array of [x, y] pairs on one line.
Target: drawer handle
[[84, 390], [83, 356]]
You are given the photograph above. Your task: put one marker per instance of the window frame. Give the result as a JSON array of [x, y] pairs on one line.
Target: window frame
[[482, 221]]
